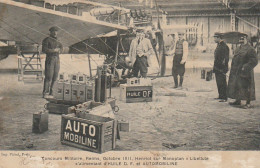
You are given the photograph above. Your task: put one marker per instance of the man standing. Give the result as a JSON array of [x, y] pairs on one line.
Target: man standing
[[140, 51], [52, 47], [179, 59], [220, 67], [241, 85]]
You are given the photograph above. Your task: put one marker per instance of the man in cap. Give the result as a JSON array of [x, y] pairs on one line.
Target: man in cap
[[52, 47], [140, 51], [220, 68], [241, 85], [179, 59]]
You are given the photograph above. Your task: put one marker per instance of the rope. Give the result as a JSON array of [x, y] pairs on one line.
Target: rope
[[103, 41], [251, 24], [46, 35], [86, 43], [72, 35], [80, 40], [9, 32], [17, 31], [69, 66]]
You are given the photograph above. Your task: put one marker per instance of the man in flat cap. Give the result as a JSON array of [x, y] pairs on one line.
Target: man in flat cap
[[140, 51], [52, 47], [179, 59], [220, 68], [241, 84]]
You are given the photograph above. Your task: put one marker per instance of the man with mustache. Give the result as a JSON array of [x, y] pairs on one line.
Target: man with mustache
[[52, 47], [241, 85], [140, 51]]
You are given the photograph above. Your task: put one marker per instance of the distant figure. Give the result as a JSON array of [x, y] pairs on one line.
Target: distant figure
[[220, 68], [241, 84], [140, 51], [169, 45], [52, 47], [179, 60]]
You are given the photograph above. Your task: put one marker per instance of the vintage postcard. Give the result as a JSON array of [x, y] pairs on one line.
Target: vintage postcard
[[129, 83]]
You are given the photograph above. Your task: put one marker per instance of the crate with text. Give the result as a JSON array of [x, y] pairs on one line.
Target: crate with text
[[91, 132], [136, 93]]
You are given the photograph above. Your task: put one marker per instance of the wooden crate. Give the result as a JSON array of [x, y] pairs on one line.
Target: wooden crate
[[133, 94], [58, 90], [67, 91], [123, 125], [112, 102], [57, 108], [90, 92], [92, 133], [92, 104], [75, 95]]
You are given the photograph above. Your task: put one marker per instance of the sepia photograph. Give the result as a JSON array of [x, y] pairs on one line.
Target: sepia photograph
[[129, 83]]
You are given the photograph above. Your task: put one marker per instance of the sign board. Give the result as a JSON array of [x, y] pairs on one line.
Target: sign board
[[93, 133], [131, 94]]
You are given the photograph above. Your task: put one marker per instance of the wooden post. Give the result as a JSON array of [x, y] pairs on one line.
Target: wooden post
[[162, 53], [110, 86], [208, 28], [233, 21], [117, 48], [98, 84], [89, 64]]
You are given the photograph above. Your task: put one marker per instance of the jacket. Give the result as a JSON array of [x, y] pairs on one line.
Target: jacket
[[221, 58], [147, 49], [241, 84]]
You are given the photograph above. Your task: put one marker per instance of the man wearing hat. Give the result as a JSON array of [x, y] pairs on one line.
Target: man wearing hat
[[220, 68], [140, 51], [241, 84], [179, 59], [52, 47]]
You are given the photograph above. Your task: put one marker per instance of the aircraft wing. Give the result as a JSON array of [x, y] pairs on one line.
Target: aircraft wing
[[29, 23]]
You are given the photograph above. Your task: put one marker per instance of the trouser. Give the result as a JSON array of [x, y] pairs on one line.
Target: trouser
[[221, 84], [52, 67], [178, 69], [245, 88], [141, 64]]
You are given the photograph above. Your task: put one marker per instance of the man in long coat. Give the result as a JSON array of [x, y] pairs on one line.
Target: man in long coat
[[241, 85]]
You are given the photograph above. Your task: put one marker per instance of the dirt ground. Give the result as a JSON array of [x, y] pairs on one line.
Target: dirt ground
[[189, 120]]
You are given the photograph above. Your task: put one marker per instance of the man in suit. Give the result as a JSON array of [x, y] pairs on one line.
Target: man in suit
[[220, 68], [140, 51]]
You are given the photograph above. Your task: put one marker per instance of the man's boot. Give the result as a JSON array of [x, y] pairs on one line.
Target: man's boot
[[235, 103], [175, 81], [181, 81]]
